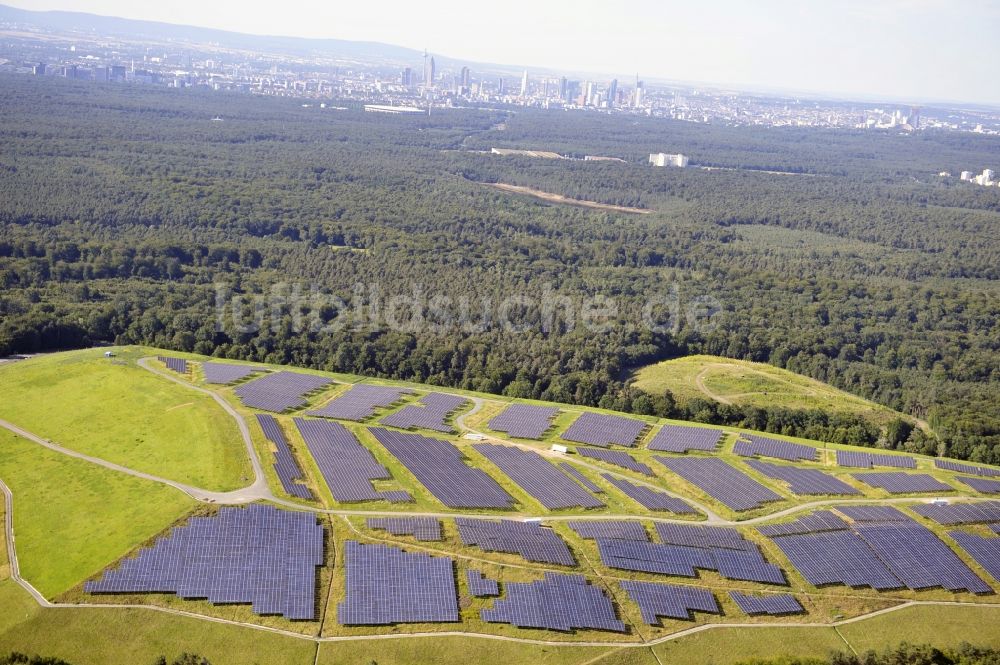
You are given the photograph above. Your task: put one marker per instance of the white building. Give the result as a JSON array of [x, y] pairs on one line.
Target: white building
[[966, 175], [663, 159]]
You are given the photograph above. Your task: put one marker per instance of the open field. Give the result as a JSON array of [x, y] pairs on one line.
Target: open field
[[741, 382], [72, 518], [115, 410], [549, 197]]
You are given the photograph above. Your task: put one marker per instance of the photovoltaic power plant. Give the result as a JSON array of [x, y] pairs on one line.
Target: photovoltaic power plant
[[681, 439], [778, 604], [360, 402], [557, 602], [650, 498], [685, 560], [536, 476], [617, 458], [995, 528], [696, 535], [960, 513], [285, 464], [669, 600], [861, 460], [613, 529], [602, 430], [178, 365], [280, 391], [974, 469], [529, 539], [721, 481], [900, 482], [347, 467], [441, 468], [430, 413], [983, 485], [524, 421], [385, 585], [762, 446], [985, 551], [837, 557], [422, 528], [258, 555], [821, 520], [224, 373], [580, 478], [874, 514], [481, 586], [804, 482]]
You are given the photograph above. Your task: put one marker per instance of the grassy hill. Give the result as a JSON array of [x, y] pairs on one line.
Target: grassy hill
[[744, 383]]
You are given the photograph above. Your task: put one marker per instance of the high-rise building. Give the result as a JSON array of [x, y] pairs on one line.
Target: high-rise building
[[612, 92], [500, 86], [466, 77], [640, 92], [524, 83], [406, 78], [39, 69], [588, 93], [428, 70], [563, 89]]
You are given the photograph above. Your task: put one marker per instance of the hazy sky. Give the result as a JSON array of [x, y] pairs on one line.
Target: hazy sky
[[915, 50]]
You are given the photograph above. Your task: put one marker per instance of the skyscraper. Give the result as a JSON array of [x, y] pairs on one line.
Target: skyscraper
[[524, 83], [500, 86], [612, 92], [466, 77], [407, 77], [563, 88], [428, 70]]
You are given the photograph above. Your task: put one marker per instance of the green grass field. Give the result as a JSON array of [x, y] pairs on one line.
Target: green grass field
[[118, 411], [73, 518], [758, 384]]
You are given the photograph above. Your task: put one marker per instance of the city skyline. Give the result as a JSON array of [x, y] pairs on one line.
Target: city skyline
[[931, 53]]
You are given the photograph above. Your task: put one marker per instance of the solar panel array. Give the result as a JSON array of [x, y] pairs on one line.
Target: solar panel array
[[580, 478], [386, 585], [178, 365], [285, 464], [603, 430], [770, 605], [224, 373], [804, 482], [280, 391], [614, 529], [524, 421], [360, 402], [960, 513], [985, 551], [441, 468], [681, 439], [684, 560], [557, 602], [617, 458], [481, 586], [821, 520], [721, 481], [258, 554], [536, 476], [900, 482], [731, 554], [995, 528], [982, 485], [861, 460], [874, 514], [649, 498], [696, 535], [762, 446], [669, 600], [431, 413], [347, 467], [837, 557], [973, 469], [421, 528], [529, 539]]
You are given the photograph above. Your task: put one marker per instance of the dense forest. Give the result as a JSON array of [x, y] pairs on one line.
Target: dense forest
[[138, 215]]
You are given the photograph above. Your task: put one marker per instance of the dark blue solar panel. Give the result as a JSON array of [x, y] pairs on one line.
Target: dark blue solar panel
[[681, 439], [580, 478], [280, 391], [603, 430], [863, 460], [985, 551], [536, 476], [669, 600], [770, 605], [804, 482], [529, 539], [258, 554], [360, 402], [837, 557], [822, 520], [721, 481], [617, 458], [524, 421], [431, 413], [974, 469], [285, 464], [900, 482], [762, 446], [650, 498], [178, 365], [386, 585], [557, 602], [615, 529], [224, 373], [421, 528], [706, 537], [982, 485], [960, 513], [481, 586], [441, 468], [873, 514]]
